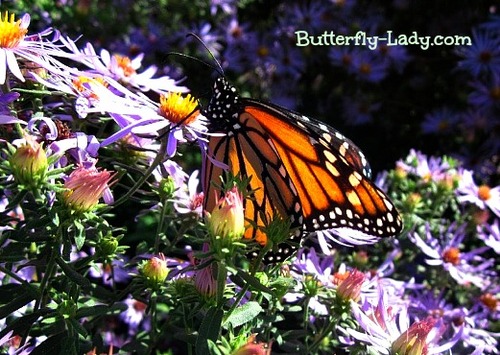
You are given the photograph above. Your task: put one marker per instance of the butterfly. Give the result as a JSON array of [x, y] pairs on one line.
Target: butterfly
[[298, 167]]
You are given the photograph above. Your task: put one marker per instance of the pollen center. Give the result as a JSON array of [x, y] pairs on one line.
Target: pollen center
[[483, 192], [452, 256], [178, 109], [11, 32], [125, 64]]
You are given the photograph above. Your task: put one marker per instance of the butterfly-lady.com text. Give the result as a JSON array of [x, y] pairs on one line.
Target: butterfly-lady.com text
[[330, 38]]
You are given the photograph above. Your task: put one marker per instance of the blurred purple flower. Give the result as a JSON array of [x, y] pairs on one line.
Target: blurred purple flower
[[6, 116], [486, 94], [483, 56], [490, 235], [358, 110], [441, 121]]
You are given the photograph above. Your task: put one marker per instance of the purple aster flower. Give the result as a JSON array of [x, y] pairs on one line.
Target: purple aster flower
[[312, 274], [209, 37], [441, 121], [187, 198], [428, 303], [486, 94], [483, 56], [358, 110], [393, 56], [6, 116], [490, 235], [135, 315], [287, 61], [59, 139], [367, 67], [310, 16], [228, 7], [124, 69], [16, 46], [427, 168], [483, 196], [386, 329], [444, 250], [111, 273], [343, 57], [474, 333]]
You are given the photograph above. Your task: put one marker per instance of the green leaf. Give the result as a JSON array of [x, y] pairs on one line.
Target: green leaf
[[79, 234], [56, 344], [100, 310], [75, 276], [254, 282], [209, 330], [20, 300], [243, 314], [20, 325]]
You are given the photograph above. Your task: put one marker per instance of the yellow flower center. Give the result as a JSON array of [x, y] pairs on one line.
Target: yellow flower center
[[483, 192], [495, 93], [84, 84], [178, 109], [489, 300], [11, 32], [365, 68], [125, 64], [452, 255]]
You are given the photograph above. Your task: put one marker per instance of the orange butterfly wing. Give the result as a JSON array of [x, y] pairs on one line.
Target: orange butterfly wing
[[299, 167]]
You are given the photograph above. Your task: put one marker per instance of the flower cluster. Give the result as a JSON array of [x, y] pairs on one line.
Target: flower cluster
[[106, 245]]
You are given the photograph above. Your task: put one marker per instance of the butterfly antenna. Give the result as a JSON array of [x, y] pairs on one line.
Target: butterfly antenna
[[218, 67]]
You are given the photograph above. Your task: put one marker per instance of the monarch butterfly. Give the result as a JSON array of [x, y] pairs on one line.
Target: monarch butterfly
[[298, 167]]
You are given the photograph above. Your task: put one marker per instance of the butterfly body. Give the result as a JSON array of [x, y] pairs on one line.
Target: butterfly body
[[299, 168]]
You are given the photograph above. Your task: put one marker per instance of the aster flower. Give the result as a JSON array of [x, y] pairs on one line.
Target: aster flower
[[29, 164], [227, 220], [387, 330], [175, 115], [394, 56], [123, 69], [483, 196], [350, 287], [187, 198], [490, 235], [16, 45], [359, 110], [429, 169], [6, 116], [228, 7], [111, 273], [368, 68], [306, 16], [312, 273], [483, 56], [465, 267], [486, 93], [441, 121], [135, 315], [59, 139], [155, 270], [85, 186]]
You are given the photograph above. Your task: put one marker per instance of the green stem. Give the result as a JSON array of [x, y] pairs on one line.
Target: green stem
[[324, 333], [157, 161], [161, 223]]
